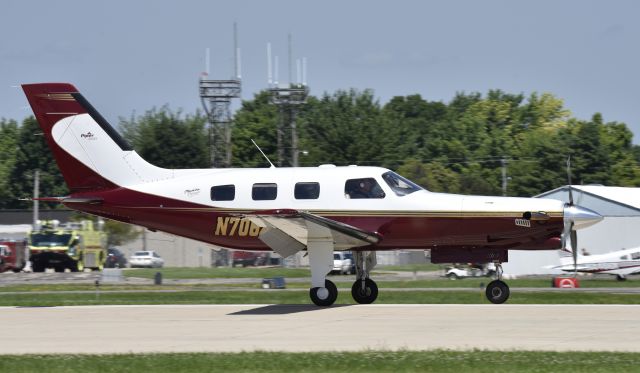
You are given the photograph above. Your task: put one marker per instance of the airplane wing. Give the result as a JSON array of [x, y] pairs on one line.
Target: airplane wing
[[288, 231]]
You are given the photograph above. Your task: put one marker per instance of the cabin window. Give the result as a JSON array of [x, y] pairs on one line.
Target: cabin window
[[635, 256], [624, 257], [363, 188], [223, 193], [264, 191], [307, 190], [401, 186]]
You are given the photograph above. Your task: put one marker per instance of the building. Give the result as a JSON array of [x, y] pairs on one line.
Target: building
[[620, 228]]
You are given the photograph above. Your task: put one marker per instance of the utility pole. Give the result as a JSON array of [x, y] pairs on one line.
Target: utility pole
[[503, 161], [36, 195]]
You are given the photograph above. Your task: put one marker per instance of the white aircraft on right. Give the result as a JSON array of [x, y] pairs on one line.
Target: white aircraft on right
[[620, 263]]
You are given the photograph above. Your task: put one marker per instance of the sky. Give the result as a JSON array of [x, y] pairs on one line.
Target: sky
[[127, 57]]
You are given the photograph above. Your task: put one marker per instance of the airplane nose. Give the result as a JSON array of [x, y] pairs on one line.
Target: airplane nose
[[581, 217]]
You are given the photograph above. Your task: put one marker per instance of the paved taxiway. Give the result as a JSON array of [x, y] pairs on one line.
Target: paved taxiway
[[216, 328]]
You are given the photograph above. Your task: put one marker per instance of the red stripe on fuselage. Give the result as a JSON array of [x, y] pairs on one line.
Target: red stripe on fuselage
[[200, 222]]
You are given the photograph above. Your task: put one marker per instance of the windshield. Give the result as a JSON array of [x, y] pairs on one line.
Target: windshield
[[400, 185], [50, 239], [142, 253]]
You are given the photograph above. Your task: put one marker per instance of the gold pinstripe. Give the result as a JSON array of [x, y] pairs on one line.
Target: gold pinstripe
[[360, 213], [57, 96]]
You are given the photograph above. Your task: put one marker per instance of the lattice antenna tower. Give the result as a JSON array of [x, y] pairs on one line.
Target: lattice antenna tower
[[216, 97], [288, 98]]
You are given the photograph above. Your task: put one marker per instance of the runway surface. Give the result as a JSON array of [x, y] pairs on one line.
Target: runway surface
[[235, 328]]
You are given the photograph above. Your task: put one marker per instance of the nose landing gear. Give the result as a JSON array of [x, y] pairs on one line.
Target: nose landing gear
[[497, 291]]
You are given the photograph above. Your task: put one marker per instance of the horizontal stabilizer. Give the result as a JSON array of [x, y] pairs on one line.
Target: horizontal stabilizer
[[67, 199]]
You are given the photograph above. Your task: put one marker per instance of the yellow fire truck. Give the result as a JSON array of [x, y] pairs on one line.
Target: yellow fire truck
[[73, 245]]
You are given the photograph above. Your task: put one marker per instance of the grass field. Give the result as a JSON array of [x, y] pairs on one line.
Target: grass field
[[242, 292], [35, 295], [366, 361], [301, 296]]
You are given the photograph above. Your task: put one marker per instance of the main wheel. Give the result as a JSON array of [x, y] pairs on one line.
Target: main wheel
[[325, 296], [366, 294], [497, 292]]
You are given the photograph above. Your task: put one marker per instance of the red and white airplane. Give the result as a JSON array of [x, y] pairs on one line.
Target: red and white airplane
[[287, 210]]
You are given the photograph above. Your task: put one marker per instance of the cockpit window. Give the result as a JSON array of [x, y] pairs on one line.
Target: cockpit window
[[400, 185], [363, 188]]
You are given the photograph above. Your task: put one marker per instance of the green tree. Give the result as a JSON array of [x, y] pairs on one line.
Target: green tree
[[433, 176], [162, 137], [347, 128], [33, 154], [256, 120], [8, 150], [120, 233]]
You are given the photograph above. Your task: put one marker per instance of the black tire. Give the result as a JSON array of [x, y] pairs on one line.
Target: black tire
[[18, 269], [329, 300], [452, 276], [59, 268], [621, 278], [37, 267], [367, 295], [497, 292]]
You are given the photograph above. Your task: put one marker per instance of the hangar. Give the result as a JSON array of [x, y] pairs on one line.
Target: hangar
[[619, 230]]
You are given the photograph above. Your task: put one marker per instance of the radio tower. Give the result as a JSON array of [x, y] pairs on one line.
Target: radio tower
[[216, 96], [288, 98]]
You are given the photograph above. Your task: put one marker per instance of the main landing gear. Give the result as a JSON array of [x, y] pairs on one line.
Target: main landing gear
[[364, 289], [324, 292], [497, 291]]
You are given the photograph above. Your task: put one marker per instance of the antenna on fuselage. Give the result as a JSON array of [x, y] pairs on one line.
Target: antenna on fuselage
[[264, 155]]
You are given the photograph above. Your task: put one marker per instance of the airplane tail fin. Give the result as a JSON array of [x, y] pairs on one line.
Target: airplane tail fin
[[90, 153]]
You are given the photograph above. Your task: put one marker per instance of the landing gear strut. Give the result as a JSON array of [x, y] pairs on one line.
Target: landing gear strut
[[364, 289], [497, 291], [320, 248]]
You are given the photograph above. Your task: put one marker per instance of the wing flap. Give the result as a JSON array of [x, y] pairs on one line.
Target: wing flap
[[288, 232]]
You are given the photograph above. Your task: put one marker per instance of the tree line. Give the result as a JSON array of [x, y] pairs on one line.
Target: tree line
[[459, 146]]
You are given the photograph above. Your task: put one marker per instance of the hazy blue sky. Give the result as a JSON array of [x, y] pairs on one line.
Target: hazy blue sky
[[133, 55]]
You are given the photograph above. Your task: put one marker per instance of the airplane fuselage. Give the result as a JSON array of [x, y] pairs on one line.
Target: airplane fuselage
[[183, 205]]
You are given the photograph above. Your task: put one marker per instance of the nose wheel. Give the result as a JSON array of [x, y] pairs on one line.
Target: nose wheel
[[497, 291]]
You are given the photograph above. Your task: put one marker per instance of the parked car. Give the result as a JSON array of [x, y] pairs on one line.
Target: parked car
[[149, 259], [115, 259], [249, 258], [343, 263], [475, 270]]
